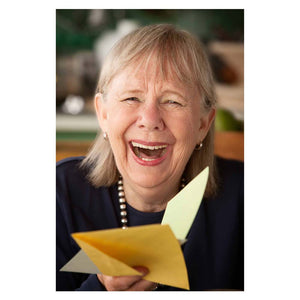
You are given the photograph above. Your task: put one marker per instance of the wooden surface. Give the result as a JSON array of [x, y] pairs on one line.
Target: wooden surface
[[71, 148], [227, 144], [230, 144]]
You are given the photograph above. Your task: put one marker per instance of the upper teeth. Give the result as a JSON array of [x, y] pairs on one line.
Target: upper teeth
[[134, 144]]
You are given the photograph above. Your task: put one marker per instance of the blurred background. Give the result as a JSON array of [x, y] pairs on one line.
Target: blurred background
[[83, 37]]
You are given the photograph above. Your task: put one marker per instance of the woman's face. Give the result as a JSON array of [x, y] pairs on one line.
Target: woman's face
[[152, 125]]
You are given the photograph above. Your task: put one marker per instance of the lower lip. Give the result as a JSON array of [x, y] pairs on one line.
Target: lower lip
[[153, 162]]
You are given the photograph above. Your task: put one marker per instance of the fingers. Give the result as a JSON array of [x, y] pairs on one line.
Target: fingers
[[127, 283], [118, 283], [143, 285]]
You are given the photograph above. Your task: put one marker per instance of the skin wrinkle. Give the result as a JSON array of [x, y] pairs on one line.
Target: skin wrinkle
[[151, 118], [164, 83]]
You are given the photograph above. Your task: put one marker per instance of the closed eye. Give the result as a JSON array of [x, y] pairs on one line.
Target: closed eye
[[172, 102], [131, 99]]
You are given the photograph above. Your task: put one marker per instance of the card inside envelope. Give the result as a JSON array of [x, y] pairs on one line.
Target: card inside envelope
[[115, 251]]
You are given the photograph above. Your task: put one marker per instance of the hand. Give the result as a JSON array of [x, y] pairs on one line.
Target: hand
[[128, 283]]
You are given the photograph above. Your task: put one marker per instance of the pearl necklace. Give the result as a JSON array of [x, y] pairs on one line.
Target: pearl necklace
[[122, 201]]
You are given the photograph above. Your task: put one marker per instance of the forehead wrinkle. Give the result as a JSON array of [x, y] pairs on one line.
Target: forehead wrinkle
[[160, 85], [144, 73], [141, 78]]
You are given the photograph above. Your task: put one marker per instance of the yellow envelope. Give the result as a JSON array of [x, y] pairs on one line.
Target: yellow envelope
[[116, 251]]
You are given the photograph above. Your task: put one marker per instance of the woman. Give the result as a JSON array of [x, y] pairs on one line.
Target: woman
[[155, 104]]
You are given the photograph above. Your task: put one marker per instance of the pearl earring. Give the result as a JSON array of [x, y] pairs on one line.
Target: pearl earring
[[199, 146], [105, 136]]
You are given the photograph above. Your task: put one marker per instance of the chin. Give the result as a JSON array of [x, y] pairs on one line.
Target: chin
[[148, 180]]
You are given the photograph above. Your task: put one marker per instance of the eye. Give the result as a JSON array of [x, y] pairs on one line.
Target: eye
[[173, 103], [131, 99]]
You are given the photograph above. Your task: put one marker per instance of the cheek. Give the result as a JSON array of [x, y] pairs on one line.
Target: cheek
[[186, 127], [118, 121]]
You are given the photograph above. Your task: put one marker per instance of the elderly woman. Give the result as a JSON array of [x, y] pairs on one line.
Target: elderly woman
[[156, 105]]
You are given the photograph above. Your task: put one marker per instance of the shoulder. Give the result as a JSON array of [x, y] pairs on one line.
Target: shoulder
[[230, 172], [69, 166], [229, 166], [70, 174], [68, 162], [225, 211], [81, 205], [230, 182], [72, 181]]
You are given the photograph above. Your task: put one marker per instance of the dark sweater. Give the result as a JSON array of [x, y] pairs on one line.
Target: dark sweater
[[214, 252]]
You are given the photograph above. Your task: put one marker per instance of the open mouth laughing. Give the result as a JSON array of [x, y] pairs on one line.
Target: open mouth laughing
[[149, 152]]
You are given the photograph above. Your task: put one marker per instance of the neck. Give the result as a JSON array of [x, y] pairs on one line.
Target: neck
[[151, 199]]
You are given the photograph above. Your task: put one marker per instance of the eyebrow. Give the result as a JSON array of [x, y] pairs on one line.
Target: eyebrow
[[167, 91], [132, 91], [173, 92]]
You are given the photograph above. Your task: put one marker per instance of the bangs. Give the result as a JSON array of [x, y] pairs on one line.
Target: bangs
[[171, 62], [177, 55]]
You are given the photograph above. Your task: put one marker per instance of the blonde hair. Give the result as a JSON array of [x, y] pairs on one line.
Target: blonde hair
[[175, 50]]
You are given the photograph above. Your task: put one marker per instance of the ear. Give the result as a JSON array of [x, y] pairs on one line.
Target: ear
[[205, 123], [101, 111]]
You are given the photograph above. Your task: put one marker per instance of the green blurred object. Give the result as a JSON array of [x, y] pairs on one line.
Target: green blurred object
[[225, 121], [75, 135]]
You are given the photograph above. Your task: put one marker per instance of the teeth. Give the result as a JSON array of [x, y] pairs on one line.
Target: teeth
[[134, 144], [147, 159]]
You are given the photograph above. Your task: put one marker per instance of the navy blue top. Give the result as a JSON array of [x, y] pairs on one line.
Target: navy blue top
[[214, 252]]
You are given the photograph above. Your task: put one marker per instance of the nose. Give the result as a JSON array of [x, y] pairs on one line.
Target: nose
[[150, 117]]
